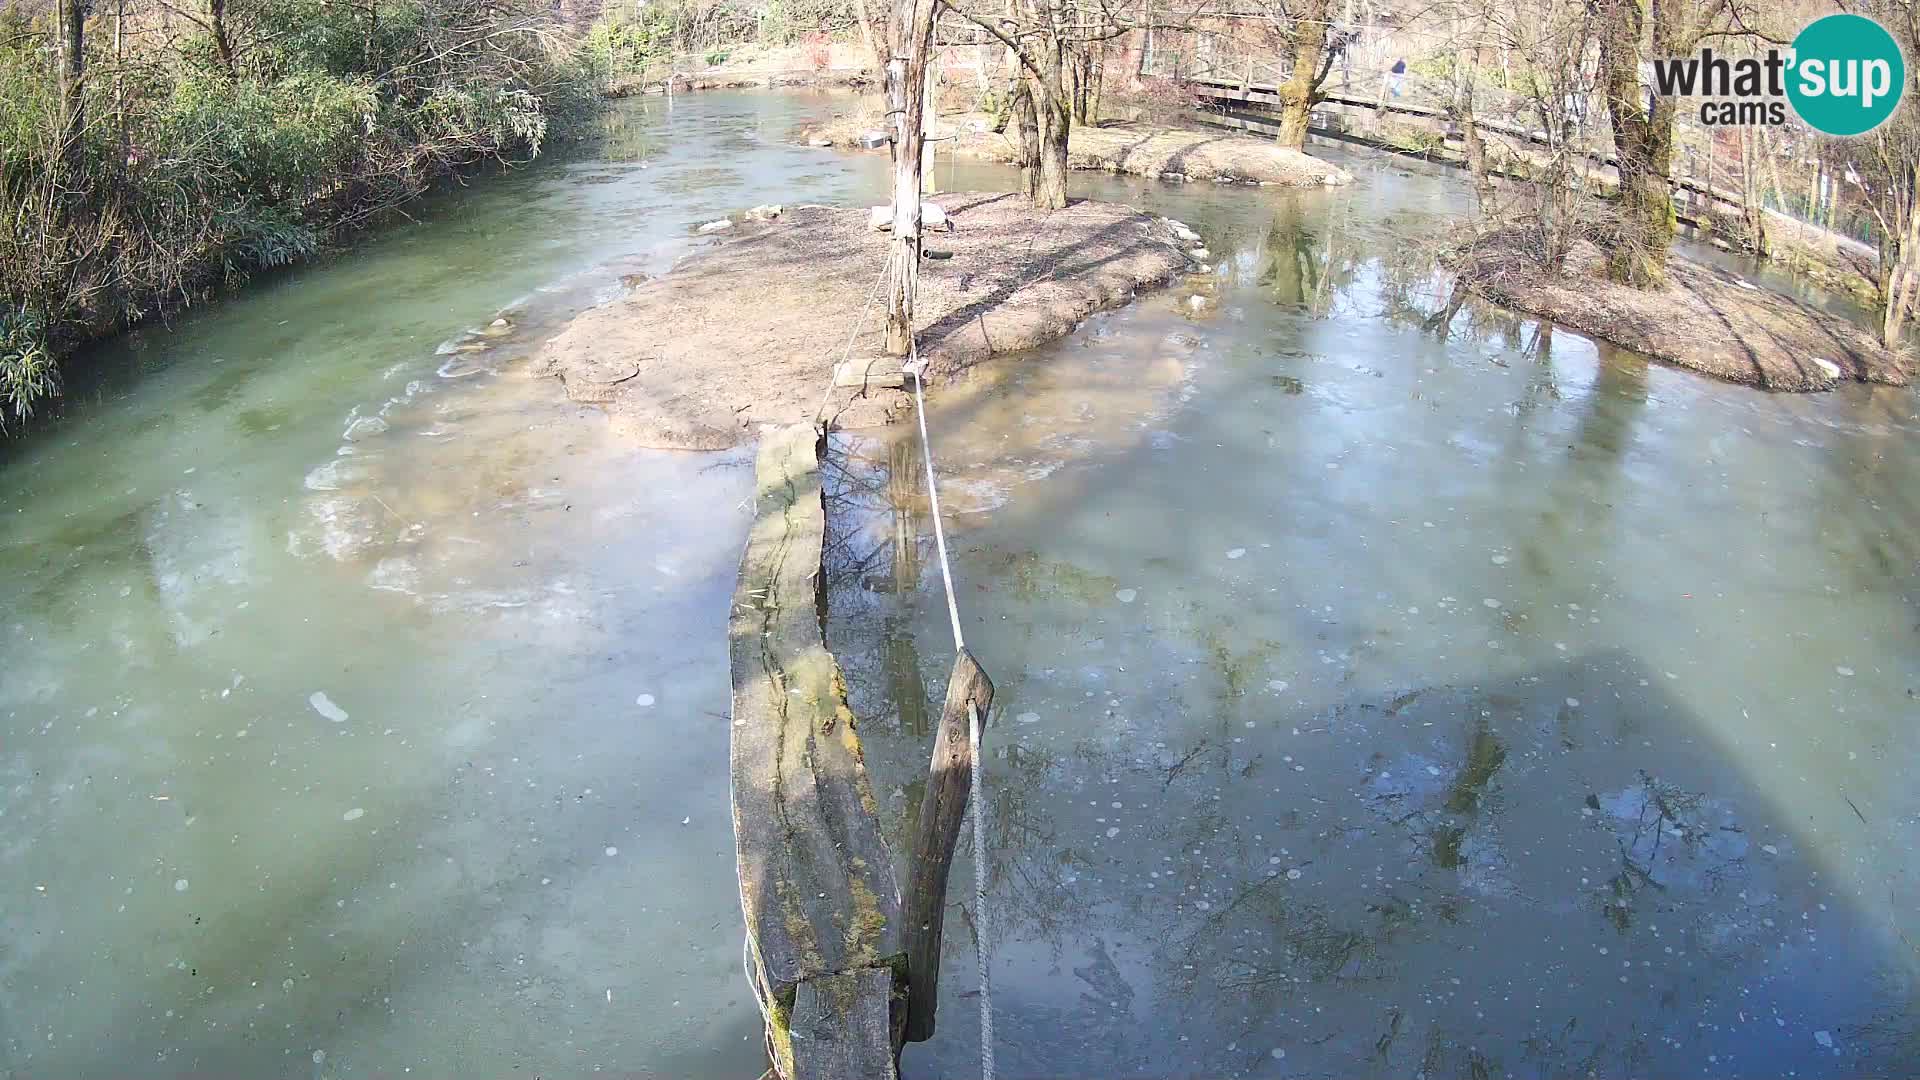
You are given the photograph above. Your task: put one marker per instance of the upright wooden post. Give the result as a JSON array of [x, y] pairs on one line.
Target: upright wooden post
[[906, 105], [942, 809]]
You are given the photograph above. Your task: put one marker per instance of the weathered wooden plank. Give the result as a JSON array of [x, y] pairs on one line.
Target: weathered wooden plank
[[840, 1028], [942, 809], [862, 373], [816, 879]]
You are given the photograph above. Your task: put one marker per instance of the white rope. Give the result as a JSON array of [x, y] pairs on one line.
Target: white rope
[[915, 365], [980, 897]]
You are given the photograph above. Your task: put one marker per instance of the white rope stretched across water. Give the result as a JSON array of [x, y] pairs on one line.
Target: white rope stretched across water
[[980, 897], [915, 366]]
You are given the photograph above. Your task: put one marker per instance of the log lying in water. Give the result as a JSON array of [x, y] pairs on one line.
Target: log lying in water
[[816, 880]]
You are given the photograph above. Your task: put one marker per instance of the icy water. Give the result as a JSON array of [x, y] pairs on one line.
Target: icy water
[[361, 703], [1374, 699], [1384, 693]]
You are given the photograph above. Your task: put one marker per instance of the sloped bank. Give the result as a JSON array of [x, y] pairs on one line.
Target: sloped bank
[[746, 332], [1703, 318]]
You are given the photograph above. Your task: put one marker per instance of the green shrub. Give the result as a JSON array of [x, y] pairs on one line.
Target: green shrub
[[26, 365], [195, 173]]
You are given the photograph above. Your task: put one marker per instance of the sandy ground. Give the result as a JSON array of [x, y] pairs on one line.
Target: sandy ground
[[1137, 149], [1704, 319], [747, 331]]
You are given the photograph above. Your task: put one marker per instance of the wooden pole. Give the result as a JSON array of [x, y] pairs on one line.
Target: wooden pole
[[942, 810], [906, 105]]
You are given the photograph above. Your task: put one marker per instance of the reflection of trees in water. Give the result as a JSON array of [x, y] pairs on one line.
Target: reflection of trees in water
[[1667, 841], [875, 498], [1536, 350], [876, 505], [1266, 941], [1290, 267], [872, 560], [1615, 405], [1033, 876], [1876, 487]]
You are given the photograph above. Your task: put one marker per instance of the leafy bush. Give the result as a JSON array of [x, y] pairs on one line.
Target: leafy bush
[[26, 365], [206, 157], [209, 164]]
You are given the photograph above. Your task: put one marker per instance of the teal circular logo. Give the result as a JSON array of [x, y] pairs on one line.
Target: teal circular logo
[[1846, 75]]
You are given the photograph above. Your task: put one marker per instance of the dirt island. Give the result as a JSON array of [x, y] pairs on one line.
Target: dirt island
[[1136, 149], [1701, 317], [747, 330]]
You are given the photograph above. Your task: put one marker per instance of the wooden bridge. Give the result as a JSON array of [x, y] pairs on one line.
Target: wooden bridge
[[1237, 91]]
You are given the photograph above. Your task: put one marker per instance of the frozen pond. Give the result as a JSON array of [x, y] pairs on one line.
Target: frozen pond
[[1384, 695], [1376, 697], [362, 703]]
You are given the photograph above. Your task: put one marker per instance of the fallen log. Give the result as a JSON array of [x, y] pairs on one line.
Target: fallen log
[[817, 890]]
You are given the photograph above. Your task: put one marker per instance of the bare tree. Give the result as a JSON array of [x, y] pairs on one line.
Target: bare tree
[[1050, 43], [912, 37], [1630, 31], [71, 16], [1311, 61], [1887, 163]]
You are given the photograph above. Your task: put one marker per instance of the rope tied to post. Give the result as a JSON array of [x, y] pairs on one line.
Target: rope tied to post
[[970, 693], [916, 368]]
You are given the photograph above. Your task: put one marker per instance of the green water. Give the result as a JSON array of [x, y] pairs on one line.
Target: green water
[[335, 747], [514, 852]]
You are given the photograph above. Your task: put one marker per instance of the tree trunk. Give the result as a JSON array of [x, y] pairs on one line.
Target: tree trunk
[[1070, 81], [1297, 93], [70, 16], [1043, 65], [1483, 192], [1026, 131], [1099, 79], [1476, 147], [1083, 86], [906, 100], [222, 41], [1753, 187], [1145, 58], [1901, 282], [1050, 180], [1643, 149]]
